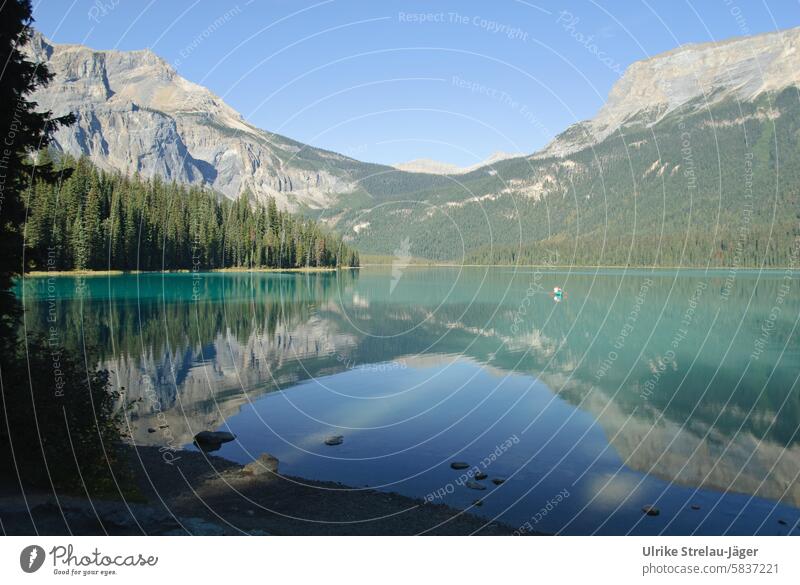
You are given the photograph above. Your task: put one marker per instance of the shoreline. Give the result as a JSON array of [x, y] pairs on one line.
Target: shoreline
[[309, 269], [326, 269], [590, 267], [197, 493]]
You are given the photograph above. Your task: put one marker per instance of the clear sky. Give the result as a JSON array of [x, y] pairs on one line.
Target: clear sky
[[389, 81]]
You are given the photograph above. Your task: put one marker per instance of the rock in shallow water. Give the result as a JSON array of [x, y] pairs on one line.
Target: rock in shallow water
[[651, 510], [334, 440], [480, 475], [474, 485], [208, 441], [459, 465], [213, 437], [266, 464], [498, 480]]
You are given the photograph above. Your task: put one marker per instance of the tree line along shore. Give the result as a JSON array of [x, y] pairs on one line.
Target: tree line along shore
[[89, 219]]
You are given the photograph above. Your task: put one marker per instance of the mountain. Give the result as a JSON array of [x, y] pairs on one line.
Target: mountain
[[696, 76], [136, 114], [435, 167], [693, 160], [427, 165]]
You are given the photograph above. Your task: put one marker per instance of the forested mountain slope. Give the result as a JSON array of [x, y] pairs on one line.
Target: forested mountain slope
[[693, 160], [717, 185]]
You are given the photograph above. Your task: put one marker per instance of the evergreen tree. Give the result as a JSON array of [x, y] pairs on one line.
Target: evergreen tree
[[106, 220], [24, 130]]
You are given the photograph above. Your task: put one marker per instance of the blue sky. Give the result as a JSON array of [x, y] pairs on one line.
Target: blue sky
[[389, 81]]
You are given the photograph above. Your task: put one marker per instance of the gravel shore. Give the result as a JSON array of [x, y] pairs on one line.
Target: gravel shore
[[198, 493]]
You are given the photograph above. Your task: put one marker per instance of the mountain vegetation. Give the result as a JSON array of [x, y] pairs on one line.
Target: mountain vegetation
[[693, 160], [704, 186], [95, 220]]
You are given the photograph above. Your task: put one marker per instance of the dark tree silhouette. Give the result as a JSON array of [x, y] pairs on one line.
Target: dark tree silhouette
[[45, 404], [24, 131]]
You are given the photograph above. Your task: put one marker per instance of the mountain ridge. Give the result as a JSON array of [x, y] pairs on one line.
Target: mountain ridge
[[659, 80], [135, 113], [609, 170]]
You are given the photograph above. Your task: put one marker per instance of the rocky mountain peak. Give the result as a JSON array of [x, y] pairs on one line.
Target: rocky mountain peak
[[135, 113], [699, 74]]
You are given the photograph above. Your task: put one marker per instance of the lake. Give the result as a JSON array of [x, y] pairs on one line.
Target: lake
[[673, 389]]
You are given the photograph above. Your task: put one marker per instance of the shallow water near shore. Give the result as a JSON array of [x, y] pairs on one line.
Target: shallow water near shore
[[672, 389]]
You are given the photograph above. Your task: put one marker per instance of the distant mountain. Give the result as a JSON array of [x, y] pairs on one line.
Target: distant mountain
[[694, 159], [425, 165]]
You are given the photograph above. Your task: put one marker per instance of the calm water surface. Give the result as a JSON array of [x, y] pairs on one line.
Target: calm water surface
[[673, 389]]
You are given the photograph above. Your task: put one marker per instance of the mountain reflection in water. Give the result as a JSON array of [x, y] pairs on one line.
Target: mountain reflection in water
[[637, 386]]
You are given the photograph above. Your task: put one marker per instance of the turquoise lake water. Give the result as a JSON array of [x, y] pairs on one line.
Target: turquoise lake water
[[676, 389]]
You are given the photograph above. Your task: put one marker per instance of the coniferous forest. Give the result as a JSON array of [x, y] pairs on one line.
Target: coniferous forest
[[94, 220]]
